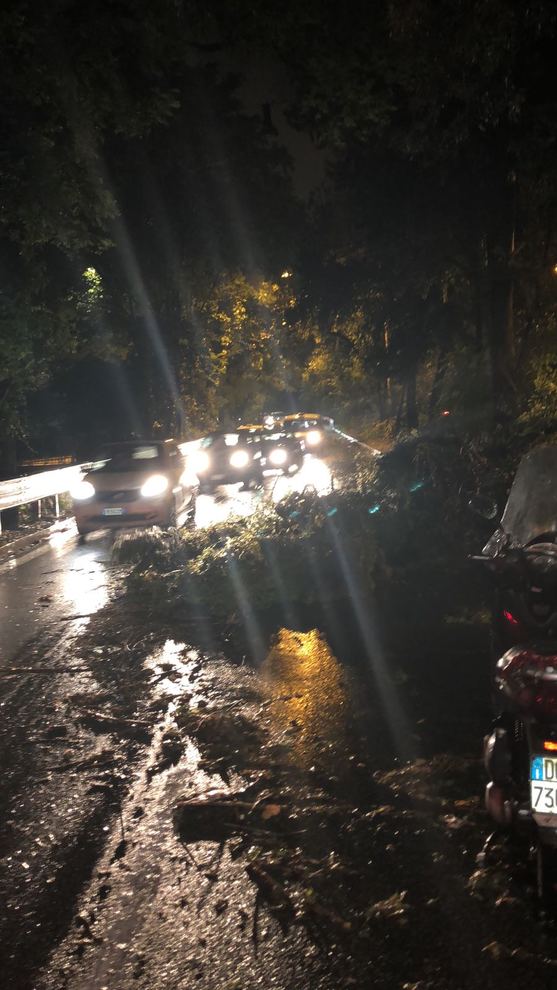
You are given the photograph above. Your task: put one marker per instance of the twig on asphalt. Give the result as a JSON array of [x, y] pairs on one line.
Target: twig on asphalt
[[71, 618], [12, 671], [136, 728], [105, 758], [191, 857], [255, 923]]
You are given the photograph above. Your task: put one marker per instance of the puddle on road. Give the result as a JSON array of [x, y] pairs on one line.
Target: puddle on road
[[314, 474], [85, 587], [213, 509], [55, 582], [231, 500], [308, 688]]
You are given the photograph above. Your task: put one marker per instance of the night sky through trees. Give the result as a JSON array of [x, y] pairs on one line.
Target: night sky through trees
[[398, 160]]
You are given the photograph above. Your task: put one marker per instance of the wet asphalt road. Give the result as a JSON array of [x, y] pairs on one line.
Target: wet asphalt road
[[60, 779], [60, 577], [98, 890], [46, 585]]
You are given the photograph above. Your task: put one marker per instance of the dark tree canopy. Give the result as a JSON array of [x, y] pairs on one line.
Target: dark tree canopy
[[147, 216]]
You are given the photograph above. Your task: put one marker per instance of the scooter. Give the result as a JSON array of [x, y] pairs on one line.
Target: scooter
[[520, 752]]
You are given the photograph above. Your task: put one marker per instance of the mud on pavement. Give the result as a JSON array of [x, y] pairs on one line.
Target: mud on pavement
[[176, 819], [76, 716]]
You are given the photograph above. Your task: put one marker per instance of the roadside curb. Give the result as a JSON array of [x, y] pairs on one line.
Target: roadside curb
[[37, 536]]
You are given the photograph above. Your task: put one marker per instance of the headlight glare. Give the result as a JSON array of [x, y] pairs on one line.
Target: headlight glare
[[239, 458], [278, 456], [82, 490], [313, 437], [199, 462], [155, 485]]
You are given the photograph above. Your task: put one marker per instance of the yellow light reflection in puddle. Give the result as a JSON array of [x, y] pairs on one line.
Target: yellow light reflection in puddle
[[306, 682], [85, 586]]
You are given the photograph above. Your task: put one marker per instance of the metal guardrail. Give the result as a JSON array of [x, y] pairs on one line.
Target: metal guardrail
[[51, 484], [349, 439], [36, 487], [48, 462]]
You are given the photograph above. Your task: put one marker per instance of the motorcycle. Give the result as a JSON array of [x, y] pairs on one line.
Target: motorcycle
[[520, 752]]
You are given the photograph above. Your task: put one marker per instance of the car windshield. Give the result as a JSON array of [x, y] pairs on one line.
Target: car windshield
[[219, 440], [273, 437], [302, 424], [131, 457], [531, 508]]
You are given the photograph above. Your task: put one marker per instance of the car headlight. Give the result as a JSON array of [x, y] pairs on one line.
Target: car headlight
[[82, 490], [278, 456], [199, 462], [313, 437], [239, 458], [155, 485]]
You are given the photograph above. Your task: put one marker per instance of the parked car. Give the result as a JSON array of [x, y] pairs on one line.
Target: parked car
[[136, 483], [309, 428]]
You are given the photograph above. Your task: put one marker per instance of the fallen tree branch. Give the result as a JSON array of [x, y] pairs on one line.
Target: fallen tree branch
[[104, 758], [136, 728]]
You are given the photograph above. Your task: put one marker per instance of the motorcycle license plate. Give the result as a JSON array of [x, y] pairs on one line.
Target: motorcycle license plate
[[113, 512], [543, 785]]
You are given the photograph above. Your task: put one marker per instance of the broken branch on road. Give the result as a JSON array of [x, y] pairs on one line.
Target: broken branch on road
[[133, 728]]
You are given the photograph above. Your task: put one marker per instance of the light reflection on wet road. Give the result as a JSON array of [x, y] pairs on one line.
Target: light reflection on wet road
[[231, 500], [307, 685], [58, 579], [137, 906], [62, 578]]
